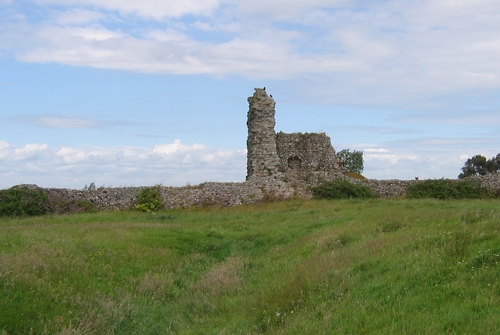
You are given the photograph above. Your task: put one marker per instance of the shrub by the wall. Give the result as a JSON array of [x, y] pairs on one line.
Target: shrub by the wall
[[23, 200], [341, 190], [149, 200], [31, 200], [449, 189]]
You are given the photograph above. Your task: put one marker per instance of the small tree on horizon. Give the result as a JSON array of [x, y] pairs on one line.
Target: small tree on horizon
[[352, 161], [480, 166]]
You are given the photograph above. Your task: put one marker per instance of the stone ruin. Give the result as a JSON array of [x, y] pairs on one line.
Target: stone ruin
[[297, 155], [280, 166]]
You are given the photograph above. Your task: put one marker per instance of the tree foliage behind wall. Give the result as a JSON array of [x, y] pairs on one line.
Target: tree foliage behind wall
[[480, 166], [352, 161]]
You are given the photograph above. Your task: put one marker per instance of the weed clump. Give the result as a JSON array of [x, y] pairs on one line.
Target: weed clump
[[149, 200], [342, 190], [449, 189]]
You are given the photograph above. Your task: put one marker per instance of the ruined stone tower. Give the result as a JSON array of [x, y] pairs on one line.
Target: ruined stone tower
[[262, 156], [291, 156]]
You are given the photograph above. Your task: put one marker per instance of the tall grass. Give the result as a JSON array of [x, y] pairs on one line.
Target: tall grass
[[294, 267]]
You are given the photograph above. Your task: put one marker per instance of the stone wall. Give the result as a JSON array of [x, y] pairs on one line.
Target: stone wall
[[206, 194], [249, 192]]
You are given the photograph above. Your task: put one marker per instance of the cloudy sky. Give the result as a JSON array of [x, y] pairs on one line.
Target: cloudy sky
[[130, 93]]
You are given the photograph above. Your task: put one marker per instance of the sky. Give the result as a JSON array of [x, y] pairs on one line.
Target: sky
[[138, 93]]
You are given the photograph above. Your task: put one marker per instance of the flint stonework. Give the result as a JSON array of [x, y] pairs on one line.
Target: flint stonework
[[262, 156]]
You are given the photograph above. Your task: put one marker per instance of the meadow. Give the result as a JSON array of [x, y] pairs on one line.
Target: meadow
[[374, 266]]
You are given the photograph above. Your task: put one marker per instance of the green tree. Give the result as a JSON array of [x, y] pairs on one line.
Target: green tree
[[352, 161], [480, 166]]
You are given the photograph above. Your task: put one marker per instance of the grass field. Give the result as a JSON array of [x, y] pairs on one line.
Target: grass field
[[294, 267]]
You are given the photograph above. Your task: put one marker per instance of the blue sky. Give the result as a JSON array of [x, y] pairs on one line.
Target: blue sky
[[130, 93]]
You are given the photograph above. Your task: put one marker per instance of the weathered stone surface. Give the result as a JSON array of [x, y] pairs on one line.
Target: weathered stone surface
[[306, 152], [262, 157], [297, 155]]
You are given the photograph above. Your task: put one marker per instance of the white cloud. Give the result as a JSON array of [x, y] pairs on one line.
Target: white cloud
[[425, 157], [177, 147], [168, 35], [156, 9], [78, 17], [173, 164], [376, 150], [29, 151], [95, 33], [345, 52], [284, 9]]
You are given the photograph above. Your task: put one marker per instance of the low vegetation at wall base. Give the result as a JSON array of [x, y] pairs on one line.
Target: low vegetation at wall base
[[341, 189], [449, 189], [149, 200], [30, 200], [23, 201]]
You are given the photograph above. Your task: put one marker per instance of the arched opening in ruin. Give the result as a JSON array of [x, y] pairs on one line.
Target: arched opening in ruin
[[294, 163]]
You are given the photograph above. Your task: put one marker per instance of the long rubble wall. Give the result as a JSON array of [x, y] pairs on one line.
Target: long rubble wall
[[234, 194], [206, 194]]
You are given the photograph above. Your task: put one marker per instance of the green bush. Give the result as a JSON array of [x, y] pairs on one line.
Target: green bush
[[449, 189], [23, 200], [341, 190], [149, 200], [31, 200]]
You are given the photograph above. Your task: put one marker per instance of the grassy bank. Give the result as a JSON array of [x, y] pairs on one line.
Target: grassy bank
[[294, 267]]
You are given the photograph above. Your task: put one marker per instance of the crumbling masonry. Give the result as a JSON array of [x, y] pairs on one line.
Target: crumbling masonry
[[296, 155]]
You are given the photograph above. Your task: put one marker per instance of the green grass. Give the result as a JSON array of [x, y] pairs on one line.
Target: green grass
[[294, 267]]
